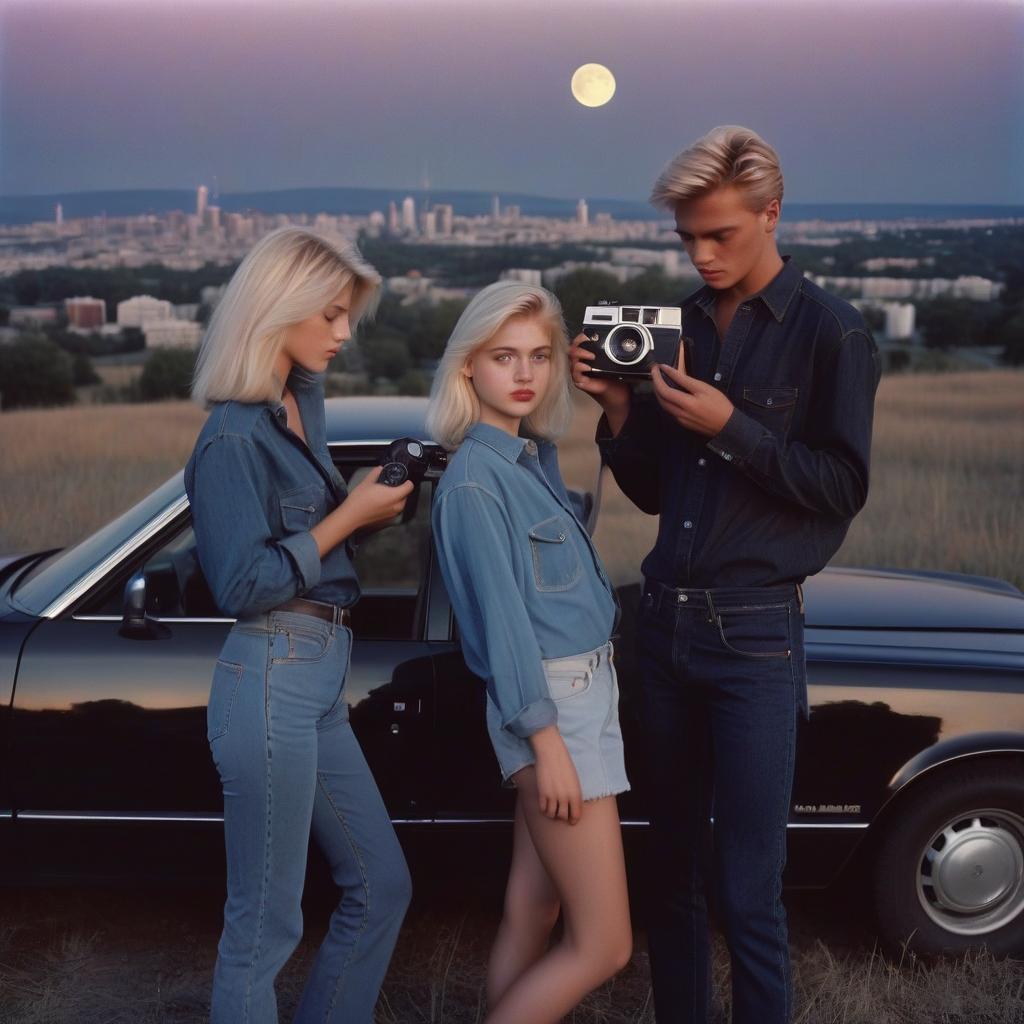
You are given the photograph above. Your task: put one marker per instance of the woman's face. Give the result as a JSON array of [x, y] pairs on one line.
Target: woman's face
[[315, 341], [511, 372]]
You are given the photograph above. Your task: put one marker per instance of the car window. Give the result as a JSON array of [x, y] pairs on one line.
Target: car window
[[391, 564]]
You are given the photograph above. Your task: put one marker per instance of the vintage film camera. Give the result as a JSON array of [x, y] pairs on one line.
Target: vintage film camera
[[407, 459], [629, 340]]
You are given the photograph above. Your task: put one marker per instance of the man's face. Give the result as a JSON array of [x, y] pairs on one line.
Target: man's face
[[725, 239]]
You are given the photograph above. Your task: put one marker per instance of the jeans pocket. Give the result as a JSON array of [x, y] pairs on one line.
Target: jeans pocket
[[226, 677], [756, 632], [295, 645], [563, 684]]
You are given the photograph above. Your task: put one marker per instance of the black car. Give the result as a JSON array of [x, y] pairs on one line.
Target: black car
[[909, 777]]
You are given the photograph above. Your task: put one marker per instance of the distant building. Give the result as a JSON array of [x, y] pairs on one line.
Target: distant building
[[393, 222], [141, 310], [85, 312], [172, 333], [409, 215], [428, 223], [523, 274], [202, 196], [582, 213], [58, 214], [495, 209], [513, 213], [899, 320], [213, 218], [26, 316], [445, 217]]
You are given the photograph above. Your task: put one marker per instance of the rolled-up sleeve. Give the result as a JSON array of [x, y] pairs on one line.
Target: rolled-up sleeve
[[829, 472], [474, 547], [246, 567]]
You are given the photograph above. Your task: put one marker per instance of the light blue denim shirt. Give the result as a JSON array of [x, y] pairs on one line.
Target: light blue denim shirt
[[524, 578], [256, 490]]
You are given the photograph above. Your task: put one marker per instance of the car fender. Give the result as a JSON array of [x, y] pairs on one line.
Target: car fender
[[948, 752]]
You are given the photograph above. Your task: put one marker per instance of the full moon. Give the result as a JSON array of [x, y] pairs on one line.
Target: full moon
[[593, 85]]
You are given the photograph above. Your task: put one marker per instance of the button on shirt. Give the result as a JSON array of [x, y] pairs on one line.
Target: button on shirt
[[770, 498], [523, 576], [256, 490]]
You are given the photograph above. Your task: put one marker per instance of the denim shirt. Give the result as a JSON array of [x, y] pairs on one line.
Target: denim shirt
[[256, 490], [770, 498], [523, 576]]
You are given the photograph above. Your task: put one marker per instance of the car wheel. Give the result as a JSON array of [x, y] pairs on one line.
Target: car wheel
[[949, 872]]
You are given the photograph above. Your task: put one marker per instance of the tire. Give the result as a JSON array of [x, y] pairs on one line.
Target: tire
[[949, 870]]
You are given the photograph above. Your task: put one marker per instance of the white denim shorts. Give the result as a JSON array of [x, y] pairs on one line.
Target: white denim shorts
[[585, 690]]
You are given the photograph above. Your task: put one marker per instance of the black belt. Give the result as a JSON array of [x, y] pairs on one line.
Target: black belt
[[321, 609], [662, 594]]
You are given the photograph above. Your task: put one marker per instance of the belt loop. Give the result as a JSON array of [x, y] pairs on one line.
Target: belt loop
[[711, 606]]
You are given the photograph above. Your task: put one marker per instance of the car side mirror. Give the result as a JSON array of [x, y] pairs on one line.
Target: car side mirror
[[135, 623]]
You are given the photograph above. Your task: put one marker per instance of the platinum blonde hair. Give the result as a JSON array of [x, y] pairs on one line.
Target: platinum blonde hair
[[286, 277], [727, 155], [454, 407]]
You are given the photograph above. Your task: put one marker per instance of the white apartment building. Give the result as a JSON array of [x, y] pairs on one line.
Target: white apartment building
[[143, 309]]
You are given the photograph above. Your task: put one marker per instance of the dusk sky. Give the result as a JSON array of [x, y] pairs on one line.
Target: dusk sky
[[900, 101]]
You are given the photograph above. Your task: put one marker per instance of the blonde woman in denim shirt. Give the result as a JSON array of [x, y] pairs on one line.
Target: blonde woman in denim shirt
[[535, 609], [272, 521]]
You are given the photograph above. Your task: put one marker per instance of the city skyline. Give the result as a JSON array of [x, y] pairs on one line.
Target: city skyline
[[901, 102]]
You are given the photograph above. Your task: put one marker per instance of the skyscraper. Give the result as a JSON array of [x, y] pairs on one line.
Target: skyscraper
[[495, 209], [409, 215], [392, 218], [202, 194], [582, 214], [58, 214]]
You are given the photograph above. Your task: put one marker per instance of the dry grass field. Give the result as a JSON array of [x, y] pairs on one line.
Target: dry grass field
[[947, 488], [100, 957]]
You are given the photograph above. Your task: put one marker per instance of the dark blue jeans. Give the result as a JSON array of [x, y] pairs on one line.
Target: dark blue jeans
[[724, 682]]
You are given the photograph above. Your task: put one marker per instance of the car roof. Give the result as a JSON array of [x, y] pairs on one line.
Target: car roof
[[366, 419]]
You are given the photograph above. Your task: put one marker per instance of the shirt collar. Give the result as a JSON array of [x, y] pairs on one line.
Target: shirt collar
[[507, 446], [776, 294]]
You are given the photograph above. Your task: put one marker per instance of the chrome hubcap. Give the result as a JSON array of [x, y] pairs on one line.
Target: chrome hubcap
[[971, 876]]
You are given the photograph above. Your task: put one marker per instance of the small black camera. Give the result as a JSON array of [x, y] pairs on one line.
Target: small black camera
[[629, 340], [408, 459]]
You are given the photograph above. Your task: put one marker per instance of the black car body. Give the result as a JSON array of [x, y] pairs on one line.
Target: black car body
[[912, 760]]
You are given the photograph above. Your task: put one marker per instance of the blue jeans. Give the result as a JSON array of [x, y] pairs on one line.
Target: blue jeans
[[723, 683], [289, 762]]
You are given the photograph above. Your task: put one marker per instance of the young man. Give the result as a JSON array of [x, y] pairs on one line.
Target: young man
[[756, 458]]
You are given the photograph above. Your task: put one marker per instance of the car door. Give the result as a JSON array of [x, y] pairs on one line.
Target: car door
[[110, 728]]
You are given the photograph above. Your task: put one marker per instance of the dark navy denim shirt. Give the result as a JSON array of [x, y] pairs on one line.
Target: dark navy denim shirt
[[770, 498], [524, 578], [256, 490]]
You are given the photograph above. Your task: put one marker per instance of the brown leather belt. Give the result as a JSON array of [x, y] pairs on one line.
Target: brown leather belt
[[321, 609]]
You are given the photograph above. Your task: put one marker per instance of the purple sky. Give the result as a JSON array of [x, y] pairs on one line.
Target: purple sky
[[895, 101]]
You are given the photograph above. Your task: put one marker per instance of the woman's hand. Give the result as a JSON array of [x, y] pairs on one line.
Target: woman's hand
[[558, 785], [371, 503], [613, 396], [368, 504]]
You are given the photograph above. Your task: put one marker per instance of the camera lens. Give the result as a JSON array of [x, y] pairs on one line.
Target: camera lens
[[626, 345]]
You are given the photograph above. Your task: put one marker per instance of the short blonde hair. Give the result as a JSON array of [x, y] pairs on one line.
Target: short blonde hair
[[286, 277], [454, 407], [727, 155]]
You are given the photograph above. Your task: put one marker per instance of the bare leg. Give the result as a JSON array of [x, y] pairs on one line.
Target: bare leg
[[531, 910], [586, 866]]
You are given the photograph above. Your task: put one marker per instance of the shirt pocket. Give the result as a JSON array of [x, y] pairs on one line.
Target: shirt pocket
[[302, 508], [772, 406], [556, 562]]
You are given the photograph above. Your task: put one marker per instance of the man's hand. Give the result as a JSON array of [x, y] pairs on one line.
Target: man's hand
[[691, 403], [613, 396]]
